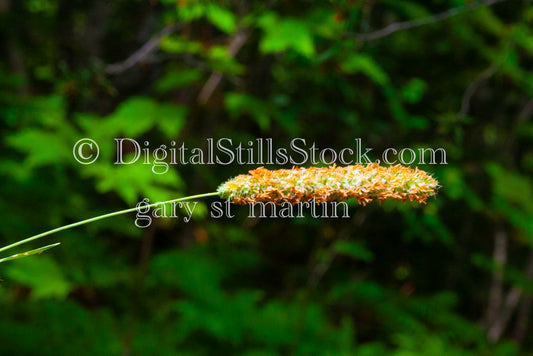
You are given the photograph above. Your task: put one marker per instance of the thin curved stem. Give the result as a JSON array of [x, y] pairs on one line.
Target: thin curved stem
[[96, 218]]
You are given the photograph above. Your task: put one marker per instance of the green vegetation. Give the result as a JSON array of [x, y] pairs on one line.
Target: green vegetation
[[452, 277]]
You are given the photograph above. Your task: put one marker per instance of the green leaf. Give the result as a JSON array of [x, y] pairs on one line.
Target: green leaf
[[222, 18], [193, 272], [281, 35], [241, 103], [131, 181], [177, 79], [354, 250], [133, 117], [512, 187], [513, 197], [220, 60], [365, 64], [179, 44], [42, 274], [455, 186], [171, 118], [32, 142], [414, 90], [191, 11], [452, 179], [29, 253], [523, 36]]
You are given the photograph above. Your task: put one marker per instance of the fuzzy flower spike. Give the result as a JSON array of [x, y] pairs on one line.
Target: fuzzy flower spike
[[363, 183]]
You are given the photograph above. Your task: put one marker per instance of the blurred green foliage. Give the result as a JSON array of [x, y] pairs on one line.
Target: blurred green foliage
[[453, 277]]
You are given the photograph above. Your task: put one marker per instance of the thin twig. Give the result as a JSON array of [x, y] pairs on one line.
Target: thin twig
[[143, 52], [406, 25], [502, 318], [319, 270], [496, 289], [522, 319], [236, 42], [526, 112], [473, 87]]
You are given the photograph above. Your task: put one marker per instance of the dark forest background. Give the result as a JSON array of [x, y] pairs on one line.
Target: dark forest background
[[452, 277]]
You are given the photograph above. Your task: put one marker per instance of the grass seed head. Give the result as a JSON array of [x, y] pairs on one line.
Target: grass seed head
[[364, 183]]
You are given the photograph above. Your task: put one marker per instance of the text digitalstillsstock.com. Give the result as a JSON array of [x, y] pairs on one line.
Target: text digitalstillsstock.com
[[262, 152]]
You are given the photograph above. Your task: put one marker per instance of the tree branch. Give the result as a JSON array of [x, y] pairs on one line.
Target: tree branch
[[522, 320], [473, 87], [522, 317], [502, 317], [143, 52], [406, 25], [526, 112], [236, 42], [496, 289], [319, 270]]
